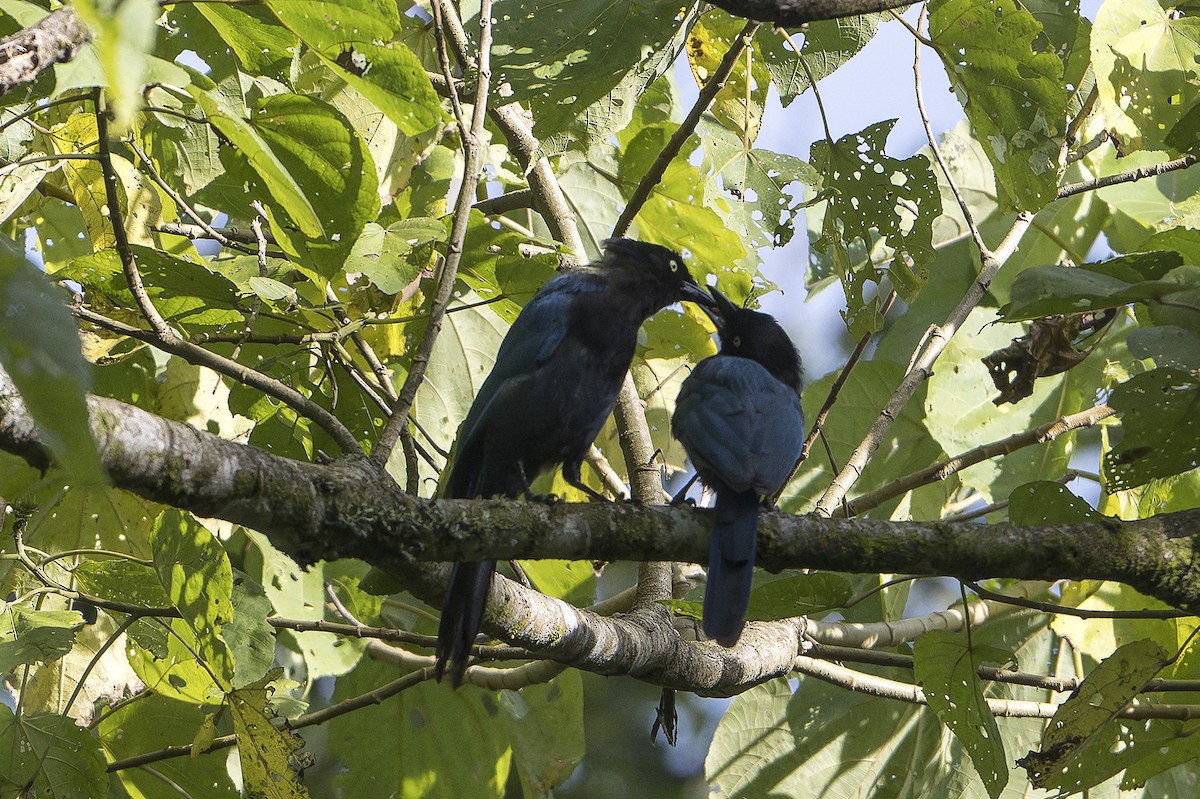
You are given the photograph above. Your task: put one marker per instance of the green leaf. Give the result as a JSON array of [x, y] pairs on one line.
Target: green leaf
[[322, 153], [1048, 290], [30, 636], [826, 45], [300, 594], [798, 595], [265, 751], [738, 105], [874, 196], [152, 723], [381, 252], [767, 187], [184, 292], [545, 761], [286, 189], [39, 349], [50, 756], [1010, 84], [427, 741], [122, 581], [356, 39], [1047, 502], [261, 45], [195, 572], [250, 639], [462, 359], [1068, 752], [1167, 346], [124, 35], [822, 740], [948, 671], [572, 581], [567, 62], [1142, 54], [1160, 422]]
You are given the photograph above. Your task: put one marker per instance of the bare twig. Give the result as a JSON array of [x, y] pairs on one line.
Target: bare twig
[[672, 148], [940, 471], [472, 144], [1141, 173]]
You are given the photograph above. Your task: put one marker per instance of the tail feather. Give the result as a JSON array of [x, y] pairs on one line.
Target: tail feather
[[462, 613], [730, 565]]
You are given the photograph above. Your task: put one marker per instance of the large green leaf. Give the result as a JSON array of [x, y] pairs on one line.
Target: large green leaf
[[563, 59], [195, 572], [323, 153], [266, 751], [825, 46], [39, 349], [1160, 421], [1010, 85], [1048, 290], [545, 761], [50, 756], [874, 196], [1142, 53], [947, 668], [30, 636], [1074, 753], [356, 39], [428, 741], [153, 723], [183, 292]]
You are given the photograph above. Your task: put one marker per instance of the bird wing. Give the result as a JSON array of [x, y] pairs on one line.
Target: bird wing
[[739, 424], [533, 338]]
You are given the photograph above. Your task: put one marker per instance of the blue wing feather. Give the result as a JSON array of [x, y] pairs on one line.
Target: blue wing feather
[[739, 424]]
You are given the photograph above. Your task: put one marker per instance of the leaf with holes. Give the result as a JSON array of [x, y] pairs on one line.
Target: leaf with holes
[[1160, 422], [873, 196], [1009, 81]]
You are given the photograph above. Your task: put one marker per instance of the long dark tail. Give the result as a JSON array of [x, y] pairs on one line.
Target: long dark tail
[[462, 614], [730, 565]]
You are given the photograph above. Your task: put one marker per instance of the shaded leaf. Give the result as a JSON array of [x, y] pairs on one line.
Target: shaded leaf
[[1010, 85], [1160, 420]]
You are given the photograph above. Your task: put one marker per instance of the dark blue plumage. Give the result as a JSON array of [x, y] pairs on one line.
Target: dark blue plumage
[[738, 416], [554, 383]]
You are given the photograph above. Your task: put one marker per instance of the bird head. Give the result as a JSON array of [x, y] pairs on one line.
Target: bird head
[[656, 274], [758, 336]]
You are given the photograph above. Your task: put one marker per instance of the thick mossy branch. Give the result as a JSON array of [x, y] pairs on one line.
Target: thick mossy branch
[[349, 509]]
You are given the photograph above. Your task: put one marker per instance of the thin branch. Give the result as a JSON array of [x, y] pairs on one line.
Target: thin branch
[[128, 263], [968, 217], [198, 356], [922, 368], [1141, 173], [374, 697], [472, 145], [950, 466], [1010, 708], [1066, 610], [834, 391], [990, 673], [669, 152]]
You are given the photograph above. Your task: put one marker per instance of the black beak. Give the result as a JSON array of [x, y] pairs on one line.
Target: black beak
[[718, 307], [691, 292]]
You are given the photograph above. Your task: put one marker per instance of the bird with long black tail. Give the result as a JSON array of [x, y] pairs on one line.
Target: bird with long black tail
[[738, 416], [554, 383]]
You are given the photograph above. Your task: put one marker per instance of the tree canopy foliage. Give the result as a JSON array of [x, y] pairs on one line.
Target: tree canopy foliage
[[259, 256]]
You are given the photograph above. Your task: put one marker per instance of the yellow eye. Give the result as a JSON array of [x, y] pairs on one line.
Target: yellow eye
[[675, 265], [737, 341]]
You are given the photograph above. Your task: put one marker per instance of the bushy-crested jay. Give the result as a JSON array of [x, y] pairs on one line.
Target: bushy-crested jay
[[554, 383], [738, 416]]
